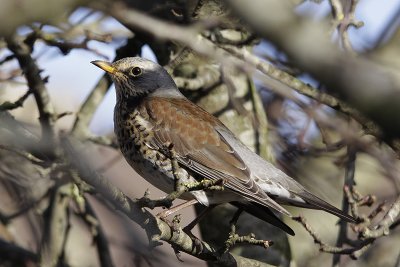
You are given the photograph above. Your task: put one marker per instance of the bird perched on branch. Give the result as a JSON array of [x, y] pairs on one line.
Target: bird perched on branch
[[151, 112]]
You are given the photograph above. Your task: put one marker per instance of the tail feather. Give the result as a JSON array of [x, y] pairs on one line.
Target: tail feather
[[315, 202], [265, 214]]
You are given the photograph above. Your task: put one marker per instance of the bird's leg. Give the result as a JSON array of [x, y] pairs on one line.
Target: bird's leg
[[180, 187], [235, 238], [188, 228], [235, 217], [164, 214]]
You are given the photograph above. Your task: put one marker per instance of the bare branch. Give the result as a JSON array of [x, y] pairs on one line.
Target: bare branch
[[361, 246], [17, 104], [155, 228], [37, 86], [86, 112], [354, 79], [189, 36]]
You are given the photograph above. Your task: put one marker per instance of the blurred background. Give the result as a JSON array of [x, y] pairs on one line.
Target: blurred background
[[63, 38]]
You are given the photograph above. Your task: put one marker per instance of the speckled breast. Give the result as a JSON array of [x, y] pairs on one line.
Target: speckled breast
[[149, 163]]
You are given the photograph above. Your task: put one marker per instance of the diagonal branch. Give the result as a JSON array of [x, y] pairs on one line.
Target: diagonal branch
[[275, 79], [87, 110], [354, 79], [305, 89], [17, 104], [37, 86], [155, 228]]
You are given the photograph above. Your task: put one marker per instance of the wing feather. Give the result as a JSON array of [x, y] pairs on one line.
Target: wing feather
[[201, 148]]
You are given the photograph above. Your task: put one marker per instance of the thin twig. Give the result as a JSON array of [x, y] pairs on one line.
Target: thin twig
[[360, 246], [17, 104], [65, 46]]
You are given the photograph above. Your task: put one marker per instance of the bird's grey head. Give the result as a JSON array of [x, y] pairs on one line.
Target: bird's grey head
[[135, 77]]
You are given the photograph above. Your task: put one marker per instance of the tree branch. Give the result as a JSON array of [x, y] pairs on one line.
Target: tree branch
[[37, 86], [348, 183], [306, 42], [155, 228]]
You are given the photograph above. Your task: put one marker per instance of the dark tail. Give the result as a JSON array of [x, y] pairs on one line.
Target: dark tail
[[264, 214]]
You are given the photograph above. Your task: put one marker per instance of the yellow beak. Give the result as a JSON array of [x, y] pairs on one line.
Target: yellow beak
[[104, 66]]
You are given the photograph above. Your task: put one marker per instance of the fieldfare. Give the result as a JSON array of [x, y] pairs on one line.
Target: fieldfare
[[151, 112]]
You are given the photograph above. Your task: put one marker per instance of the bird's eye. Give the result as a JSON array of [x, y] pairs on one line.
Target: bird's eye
[[136, 71]]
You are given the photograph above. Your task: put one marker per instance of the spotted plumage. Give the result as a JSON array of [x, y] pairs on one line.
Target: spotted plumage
[[151, 113]]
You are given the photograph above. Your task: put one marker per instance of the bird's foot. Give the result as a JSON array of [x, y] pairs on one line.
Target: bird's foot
[[176, 223]]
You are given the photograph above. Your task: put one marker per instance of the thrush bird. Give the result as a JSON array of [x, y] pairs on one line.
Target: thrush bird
[[151, 112]]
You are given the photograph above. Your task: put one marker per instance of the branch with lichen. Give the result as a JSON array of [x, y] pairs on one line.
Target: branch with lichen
[[235, 238], [56, 226], [156, 229], [204, 79]]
